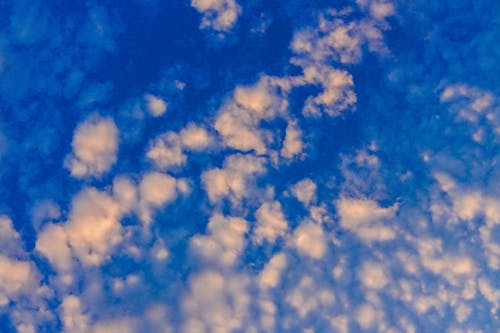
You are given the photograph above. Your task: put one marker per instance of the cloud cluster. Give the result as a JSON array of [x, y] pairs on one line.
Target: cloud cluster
[[219, 15], [279, 210]]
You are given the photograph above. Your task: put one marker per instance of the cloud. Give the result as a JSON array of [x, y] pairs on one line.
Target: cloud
[[73, 316], [16, 277], [166, 151], [232, 181], [156, 106], [373, 275], [292, 145], [309, 239], [195, 137], [93, 229], [271, 222], [219, 15], [305, 191], [19, 277], [52, 242], [271, 274], [366, 219], [216, 303], [224, 241], [155, 190], [95, 144], [341, 40], [306, 297], [238, 120], [91, 233]]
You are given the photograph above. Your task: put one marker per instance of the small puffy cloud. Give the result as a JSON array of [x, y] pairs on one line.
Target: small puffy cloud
[[238, 120], [309, 239], [337, 91], [219, 15], [476, 106], [9, 237], [271, 222], [366, 316], [52, 242], [292, 145], [125, 193], [305, 191], [195, 137], [366, 219], [224, 241], [373, 275], [16, 276], [216, 303], [271, 275], [308, 296], [378, 9], [342, 40], [116, 325], [95, 144], [453, 267], [155, 190], [233, 180], [155, 105], [166, 151], [72, 314], [93, 229]]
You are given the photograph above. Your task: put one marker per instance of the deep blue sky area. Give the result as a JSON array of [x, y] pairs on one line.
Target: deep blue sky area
[[249, 166]]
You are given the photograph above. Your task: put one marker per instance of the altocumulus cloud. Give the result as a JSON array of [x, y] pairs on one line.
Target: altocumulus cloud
[[169, 167]]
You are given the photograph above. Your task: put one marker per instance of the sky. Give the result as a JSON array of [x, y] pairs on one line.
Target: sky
[[249, 166]]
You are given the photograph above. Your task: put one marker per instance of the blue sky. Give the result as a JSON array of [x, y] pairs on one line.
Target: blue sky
[[249, 166]]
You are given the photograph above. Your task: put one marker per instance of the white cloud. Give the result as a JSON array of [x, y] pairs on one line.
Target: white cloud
[[16, 276], [166, 151], [195, 137], [366, 219], [335, 38], [125, 193], [239, 118], [95, 144], [305, 191], [224, 241], [378, 9], [271, 222], [219, 15], [93, 229], [156, 106], [9, 237], [271, 275], [232, 181], [155, 190], [216, 303], [52, 242], [310, 240], [373, 275], [337, 95], [116, 325], [366, 316], [478, 107], [72, 314], [292, 145], [308, 296]]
